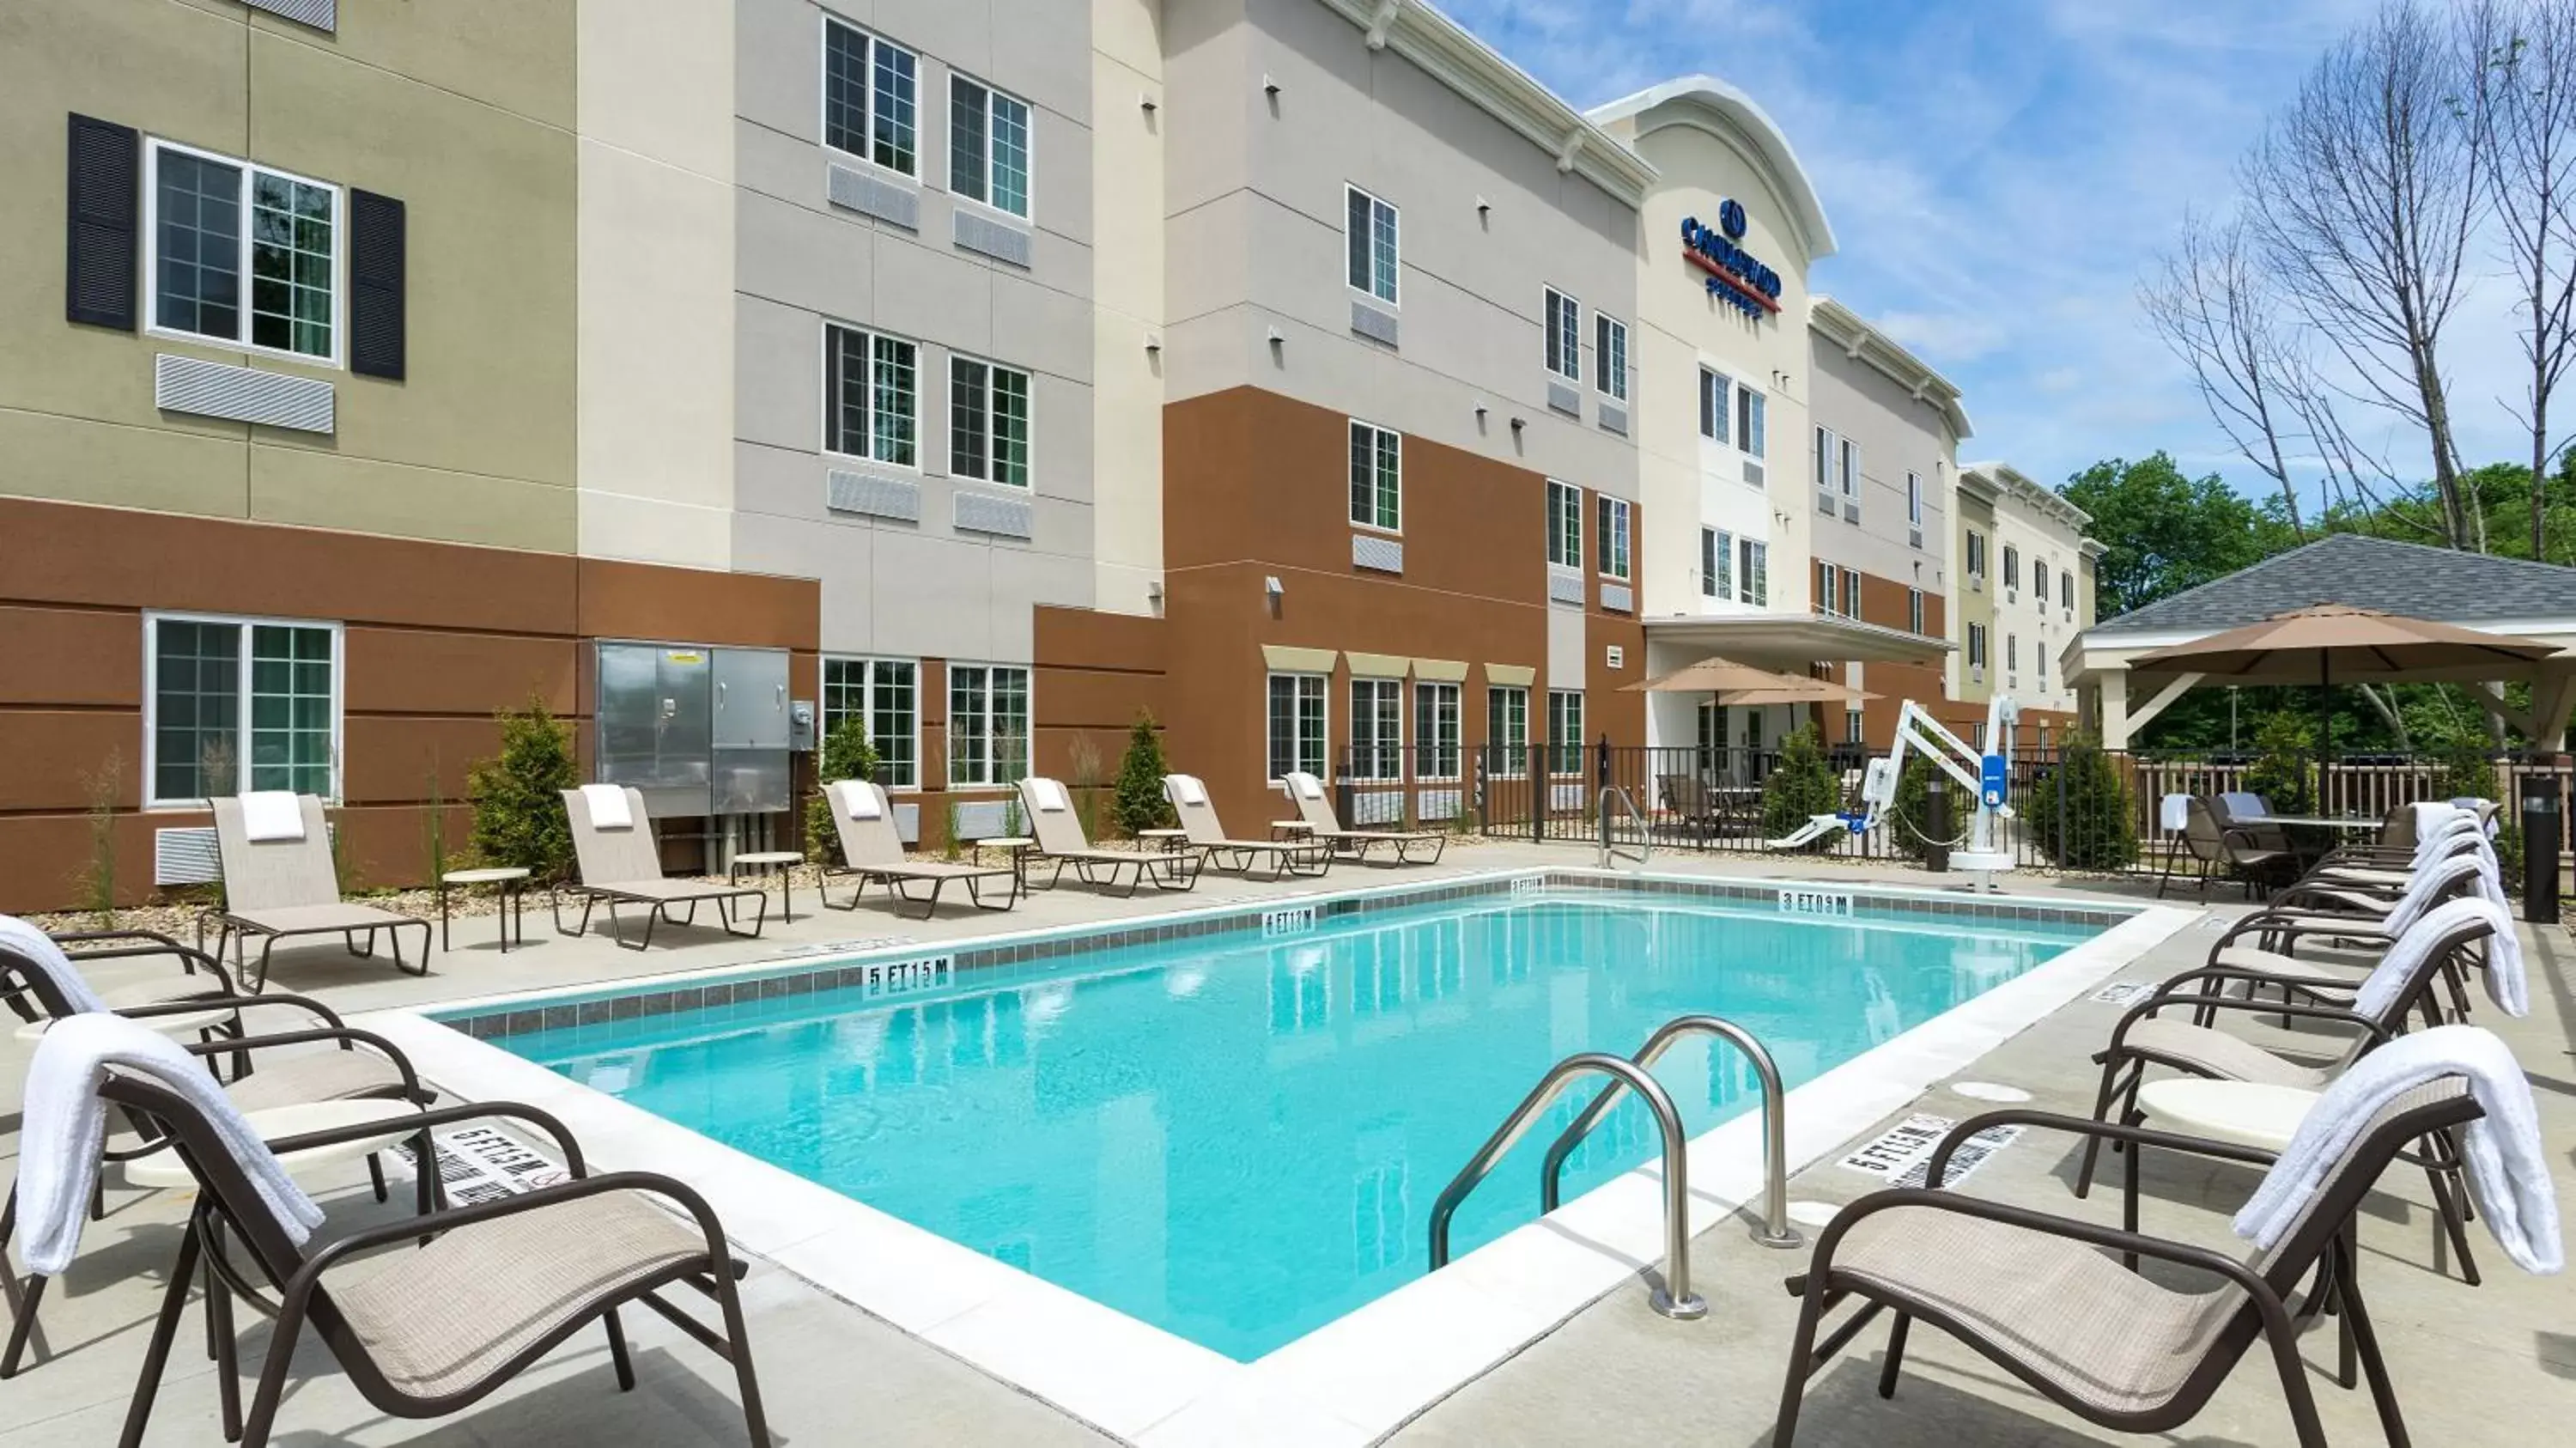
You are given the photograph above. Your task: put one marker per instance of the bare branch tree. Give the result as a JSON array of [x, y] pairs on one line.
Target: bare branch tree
[[2365, 194], [2529, 50], [2216, 309]]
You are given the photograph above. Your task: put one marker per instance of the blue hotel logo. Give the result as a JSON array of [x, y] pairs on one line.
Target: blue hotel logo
[[1734, 276]]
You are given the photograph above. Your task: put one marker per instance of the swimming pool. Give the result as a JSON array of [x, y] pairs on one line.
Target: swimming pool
[[1235, 1130]]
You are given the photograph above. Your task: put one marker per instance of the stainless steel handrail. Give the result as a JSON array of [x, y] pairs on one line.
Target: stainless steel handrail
[[1775, 1230], [1645, 835], [1674, 1299]]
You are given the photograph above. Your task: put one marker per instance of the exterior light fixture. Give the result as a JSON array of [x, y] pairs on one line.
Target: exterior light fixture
[[1272, 586]]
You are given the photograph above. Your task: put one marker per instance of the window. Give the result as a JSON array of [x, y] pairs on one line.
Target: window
[[2066, 590], [1851, 593], [1824, 464], [2039, 584], [1753, 573], [1976, 555], [988, 146], [988, 724], [1377, 728], [1507, 728], [1716, 563], [2039, 663], [1848, 471], [1914, 610], [1296, 725], [1370, 224], [1614, 537], [1713, 403], [2012, 566], [1435, 731], [884, 694], [215, 222], [1377, 477], [1976, 646], [2012, 653], [871, 97], [1564, 336], [1610, 357], [1565, 731], [223, 691], [1914, 499], [1977, 734], [988, 422], [1837, 590], [1851, 726], [1564, 524], [871, 388], [1748, 420]]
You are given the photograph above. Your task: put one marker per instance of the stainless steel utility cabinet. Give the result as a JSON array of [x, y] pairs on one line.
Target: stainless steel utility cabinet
[[751, 727], [700, 731]]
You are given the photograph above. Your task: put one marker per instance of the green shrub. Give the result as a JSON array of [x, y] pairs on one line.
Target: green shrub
[[1910, 814], [1801, 785], [1140, 803], [518, 795], [2080, 810], [845, 754], [2464, 769], [2284, 769], [1088, 796], [98, 877]]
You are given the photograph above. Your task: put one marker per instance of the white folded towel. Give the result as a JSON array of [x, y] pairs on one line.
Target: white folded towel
[[1049, 794], [41, 953], [856, 799], [2506, 1164], [66, 1127], [272, 815], [608, 809], [2505, 984], [1306, 785], [1186, 789]]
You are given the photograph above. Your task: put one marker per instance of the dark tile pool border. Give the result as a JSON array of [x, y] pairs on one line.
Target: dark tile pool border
[[1010, 959]]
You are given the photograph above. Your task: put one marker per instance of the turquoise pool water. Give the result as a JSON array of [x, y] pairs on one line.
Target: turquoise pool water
[[1240, 1139]]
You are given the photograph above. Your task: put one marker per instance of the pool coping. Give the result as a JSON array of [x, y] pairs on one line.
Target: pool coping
[[1354, 1380]]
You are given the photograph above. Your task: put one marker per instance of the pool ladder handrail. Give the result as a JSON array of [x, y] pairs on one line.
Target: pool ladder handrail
[[1774, 1230], [1645, 835], [1674, 1299]]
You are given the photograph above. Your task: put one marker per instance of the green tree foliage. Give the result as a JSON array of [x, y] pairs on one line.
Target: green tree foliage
[[1910, 815], [518, 794], [2080, 810], [2284, 769], [1802, 784], [2163, 532], [1140, 802], [846, 754]]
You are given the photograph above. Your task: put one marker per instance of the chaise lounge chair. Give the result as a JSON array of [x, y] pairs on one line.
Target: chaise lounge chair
[[1317, 811], [1189, 799], [872, 851], [279, 882], [621, 864], [1061, 842]]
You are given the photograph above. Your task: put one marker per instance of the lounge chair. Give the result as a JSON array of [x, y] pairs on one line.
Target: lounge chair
[[451, 1303], [2215, 846], [279, 883], [2044, 1298], [1317, 811], [621, 864], [872, 852], [1189, 798], [197, 974], [1061, 842]]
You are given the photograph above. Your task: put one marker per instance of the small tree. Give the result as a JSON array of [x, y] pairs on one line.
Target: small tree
[[98, 877], [1141, 805], [1800, 786], [846, 754], [1911, 813], [1087, 780], [2283, 770], [433, 825], [518, 794], [2080, 810]]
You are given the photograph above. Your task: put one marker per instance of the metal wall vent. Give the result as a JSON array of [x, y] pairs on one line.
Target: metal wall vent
[[242, 394], [1753, 472], [884, 200], [1376, 325], [1614, 418], [997, 239], [320, 14], [1618, 598], [1565, 588], [185, 857], [874, 496], [1385, 555], [1564, 398], [1000, 517]]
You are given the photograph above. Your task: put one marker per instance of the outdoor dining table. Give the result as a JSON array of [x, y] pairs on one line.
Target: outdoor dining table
[[2320, 822]]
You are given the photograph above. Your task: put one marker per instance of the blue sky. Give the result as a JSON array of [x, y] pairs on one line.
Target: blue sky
[[2000, 174]]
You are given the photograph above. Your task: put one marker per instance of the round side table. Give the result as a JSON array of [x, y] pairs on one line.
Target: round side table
[[513, 880]]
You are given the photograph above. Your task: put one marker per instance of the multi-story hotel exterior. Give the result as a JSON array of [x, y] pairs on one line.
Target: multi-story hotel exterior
[[1298, 371]]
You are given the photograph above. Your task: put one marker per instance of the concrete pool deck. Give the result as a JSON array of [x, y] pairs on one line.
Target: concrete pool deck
[[2467, 1361]]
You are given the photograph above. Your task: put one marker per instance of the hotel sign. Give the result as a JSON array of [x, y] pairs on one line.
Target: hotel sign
[[1734, 275]]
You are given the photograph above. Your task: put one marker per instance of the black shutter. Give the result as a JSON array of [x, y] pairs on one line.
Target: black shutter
[[375, 285], [103, 199]]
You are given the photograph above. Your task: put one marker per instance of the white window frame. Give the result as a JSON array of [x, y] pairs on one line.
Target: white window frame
[[1031, 421], [1382, 754], [831, 403], [1395, 272], [1914, 499], [1716, 564], [1847, 470], [1914, 610], [1855, 730], [1976, 550], [1429, 733], [1561, 323], [242, 698], [988, 779], [956, 79], [1752, 420], [1716, 401], [1378, 435], [2039, 583], [153, 147], [2012, 567], [869, 665], [1564, 506], [1753, 572], [2066, 589], [1323, 686], [1502, 751], [1977, 646], [1610, 357], [823, 101], [1561, 750], [1616, 538]]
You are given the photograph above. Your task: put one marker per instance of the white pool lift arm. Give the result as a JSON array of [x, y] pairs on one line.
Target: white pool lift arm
[[1983, 775]]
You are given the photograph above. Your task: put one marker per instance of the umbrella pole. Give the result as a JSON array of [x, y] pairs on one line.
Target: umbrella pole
[[2325, 722]]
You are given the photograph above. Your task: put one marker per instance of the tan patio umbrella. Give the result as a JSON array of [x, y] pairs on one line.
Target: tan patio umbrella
[[1735, 683]]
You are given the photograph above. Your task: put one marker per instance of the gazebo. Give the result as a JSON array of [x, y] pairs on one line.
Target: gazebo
[[2493, 595]]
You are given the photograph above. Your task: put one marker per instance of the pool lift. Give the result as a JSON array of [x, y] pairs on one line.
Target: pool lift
[[1986, 853]]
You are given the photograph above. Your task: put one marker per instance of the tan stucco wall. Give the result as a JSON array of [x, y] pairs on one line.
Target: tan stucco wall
[[1971, 599], [477, 445], [1127, 298]]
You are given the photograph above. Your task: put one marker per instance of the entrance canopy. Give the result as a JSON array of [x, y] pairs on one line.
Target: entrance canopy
[[1795, 640]]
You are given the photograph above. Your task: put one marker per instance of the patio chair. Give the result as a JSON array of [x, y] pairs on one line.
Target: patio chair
[[274, 850], [454, 1302], [2044, 1298], [1061, 842], [621, 864], [1317, 811], [1206, 835], [872, 851], [2216, 846], [197, 975], [1691, 803]]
